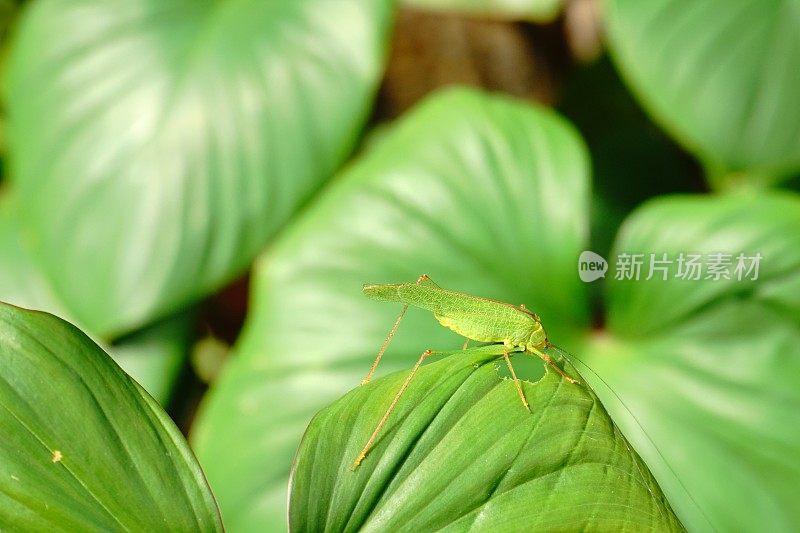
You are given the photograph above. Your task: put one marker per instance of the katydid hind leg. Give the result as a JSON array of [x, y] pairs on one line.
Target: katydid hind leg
[[371, 440], [385, 345]]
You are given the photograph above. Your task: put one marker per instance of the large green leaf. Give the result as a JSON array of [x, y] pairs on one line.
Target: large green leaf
[[153, 356], [461, 453], [485, 194], [536, 10], [722, 75], [84, 448], [711, 369], [184, 132]]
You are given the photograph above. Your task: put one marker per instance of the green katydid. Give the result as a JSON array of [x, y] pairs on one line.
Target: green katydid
[[513, 328]]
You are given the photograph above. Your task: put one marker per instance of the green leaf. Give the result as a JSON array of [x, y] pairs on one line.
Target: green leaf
[[534, 10], [153, 356], [461, 453], [186, 132], [711, 369], [722, 75], [84, 447], [486, 194]]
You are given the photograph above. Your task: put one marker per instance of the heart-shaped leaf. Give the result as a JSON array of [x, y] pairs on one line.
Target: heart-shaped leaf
[[152, 356], [711, 368], [485, 194], [84, 448], [722, 75], [185, 132], [461, 453]]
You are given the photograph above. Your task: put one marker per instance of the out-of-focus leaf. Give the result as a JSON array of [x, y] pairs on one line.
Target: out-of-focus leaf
[[632, 160], [84, 448], [534, 10], [485, 194], [156, 355], [152, 356], [21, 282], [711, 369], [157, 144], [461, 453], [722, 75]]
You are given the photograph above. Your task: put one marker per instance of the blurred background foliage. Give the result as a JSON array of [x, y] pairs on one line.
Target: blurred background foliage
[[156, 154]]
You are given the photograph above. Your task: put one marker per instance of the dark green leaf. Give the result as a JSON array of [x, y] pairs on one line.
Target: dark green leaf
[[461, 453], [84, 448], [158, 144]]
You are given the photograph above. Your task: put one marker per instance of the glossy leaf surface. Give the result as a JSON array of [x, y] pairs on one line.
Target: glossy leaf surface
[[84, 447]]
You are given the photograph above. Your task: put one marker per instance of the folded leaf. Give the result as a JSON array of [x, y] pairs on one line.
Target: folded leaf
[[460, 453]]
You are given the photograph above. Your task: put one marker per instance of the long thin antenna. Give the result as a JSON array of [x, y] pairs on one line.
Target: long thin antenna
[[649, 438]]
